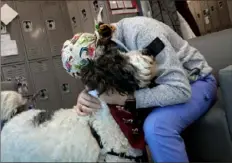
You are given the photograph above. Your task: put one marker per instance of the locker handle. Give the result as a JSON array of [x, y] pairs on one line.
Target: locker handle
[[65, 88], [43, 94], [212, 8], [220, 4], [74, 20]]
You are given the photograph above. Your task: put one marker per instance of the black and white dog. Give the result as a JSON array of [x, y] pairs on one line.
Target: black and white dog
[[62, 136]]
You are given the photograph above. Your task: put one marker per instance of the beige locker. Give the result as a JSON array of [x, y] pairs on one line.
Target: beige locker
[[74, 16], [223, 14], [206, 16], [95, 6], [33, 29], [199, 16], [55, 26], [214, 17], [86, 18]]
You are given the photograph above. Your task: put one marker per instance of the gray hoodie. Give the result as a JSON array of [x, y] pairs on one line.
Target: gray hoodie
[[174, 62]]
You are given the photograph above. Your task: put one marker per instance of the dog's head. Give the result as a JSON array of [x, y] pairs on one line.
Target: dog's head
[[110, 72], [12, 103], [110, 69]]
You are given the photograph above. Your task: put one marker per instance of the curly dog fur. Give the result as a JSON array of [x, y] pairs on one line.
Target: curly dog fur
[[61, 135]]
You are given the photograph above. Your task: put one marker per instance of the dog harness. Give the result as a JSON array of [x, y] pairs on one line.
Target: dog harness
[[3, 122], [131, 126]]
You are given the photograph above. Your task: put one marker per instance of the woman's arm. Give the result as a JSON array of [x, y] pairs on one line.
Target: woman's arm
[[173, 85]]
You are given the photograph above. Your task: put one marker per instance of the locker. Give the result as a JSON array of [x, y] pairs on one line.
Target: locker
[[74, 16], [206, 16], [55, 26], [214, 15], [45, 85], [199, 16], [13, 29], [191, 8], [68, 86], [33, 29], [223, 14], [87, 21], [67, 22], [95, 5], [18, 71]]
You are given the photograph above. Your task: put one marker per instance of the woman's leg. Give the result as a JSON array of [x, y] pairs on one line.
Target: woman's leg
[[163, 126]]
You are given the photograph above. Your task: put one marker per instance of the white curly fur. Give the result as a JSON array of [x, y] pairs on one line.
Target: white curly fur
[[10, 101], [67, 137], [143, 63]]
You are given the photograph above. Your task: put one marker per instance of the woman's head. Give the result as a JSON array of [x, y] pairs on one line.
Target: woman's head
[[78, 51], [100, 63]]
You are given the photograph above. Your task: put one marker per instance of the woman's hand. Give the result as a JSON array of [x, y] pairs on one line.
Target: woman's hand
[[86, 104]]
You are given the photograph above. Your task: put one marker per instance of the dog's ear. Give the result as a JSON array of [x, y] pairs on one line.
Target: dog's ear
[[110, 72], [93, 77]]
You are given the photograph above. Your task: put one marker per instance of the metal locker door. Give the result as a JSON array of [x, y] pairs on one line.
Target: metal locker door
[[45, 84], [192, 9], [206, 16], [66, 17], [13, 28], [95, 5], [68, 86], [74, 16], [214, 15], [87, 21], [19, 72], [199, 16], [52, 17], [33, 29], [223, 14]]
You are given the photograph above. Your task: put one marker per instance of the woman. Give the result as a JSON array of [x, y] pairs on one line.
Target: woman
[[186, 89]]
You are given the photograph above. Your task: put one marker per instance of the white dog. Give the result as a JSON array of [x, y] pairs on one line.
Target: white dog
[[39, 135], [65, 137], [62, 135]]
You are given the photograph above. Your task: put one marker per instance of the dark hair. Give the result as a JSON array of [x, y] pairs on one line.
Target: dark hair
[[110, 72], [105, 31]]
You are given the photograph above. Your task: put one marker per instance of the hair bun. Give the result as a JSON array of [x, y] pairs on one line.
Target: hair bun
[[105, 30]]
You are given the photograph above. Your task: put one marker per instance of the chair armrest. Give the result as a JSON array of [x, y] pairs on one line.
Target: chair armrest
[[225, 81], [208, 139]]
